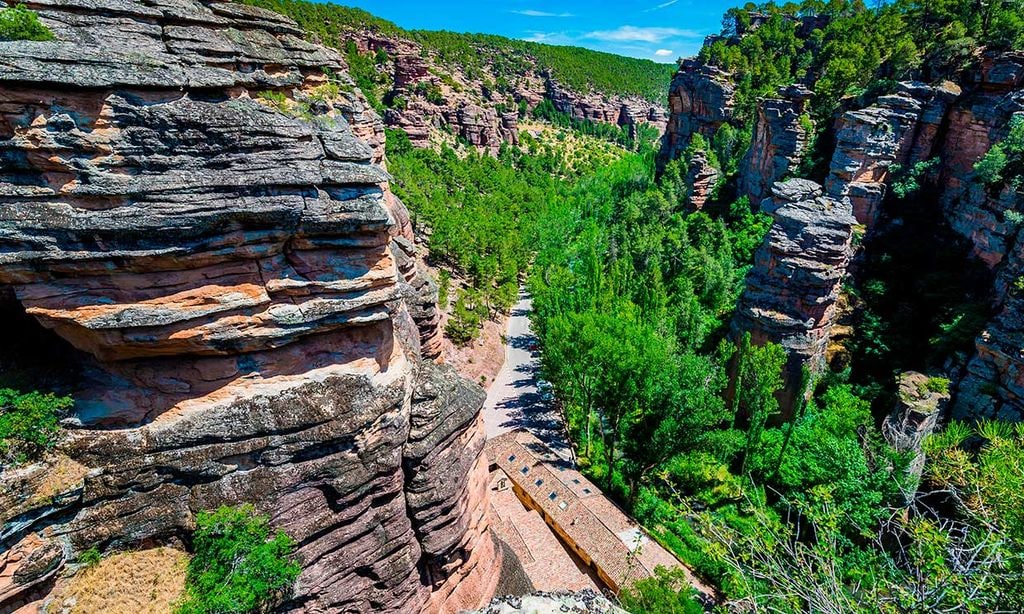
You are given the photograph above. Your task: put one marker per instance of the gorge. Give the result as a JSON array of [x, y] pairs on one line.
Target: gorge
[[258, 251]]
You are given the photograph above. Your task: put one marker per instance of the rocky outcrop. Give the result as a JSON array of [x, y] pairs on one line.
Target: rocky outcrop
[[701, 180], [792, 290], [583, 602], [993, 386], [920, 401], [700, 100], [898, 131], [233, 274], [471, 107], [780, 139], [629, 111]]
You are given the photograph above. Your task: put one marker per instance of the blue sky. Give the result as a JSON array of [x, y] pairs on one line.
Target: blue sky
[[660, 30]]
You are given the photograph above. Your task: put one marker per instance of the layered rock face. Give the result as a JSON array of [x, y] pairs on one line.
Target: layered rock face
[[899, 130], [700, 100], [779, 142], [994, 383], [792, 290], [238, 283], [469, 107], [629, 111]]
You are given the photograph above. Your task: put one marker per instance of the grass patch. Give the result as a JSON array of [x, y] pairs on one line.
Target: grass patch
[[143, 582]]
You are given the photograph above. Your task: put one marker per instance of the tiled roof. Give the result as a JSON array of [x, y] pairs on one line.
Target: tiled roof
[[617, 544]]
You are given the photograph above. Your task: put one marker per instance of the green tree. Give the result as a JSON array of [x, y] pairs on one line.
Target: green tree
[[240, 565], [29, 424], [18, 23]]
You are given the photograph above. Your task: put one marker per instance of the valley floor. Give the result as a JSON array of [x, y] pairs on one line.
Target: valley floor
[[515, 399]]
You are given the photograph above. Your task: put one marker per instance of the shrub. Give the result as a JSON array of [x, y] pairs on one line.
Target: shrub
[[90, 557], [239, 565], [937, 384], [29, 424], [667, 592], [20, 24]]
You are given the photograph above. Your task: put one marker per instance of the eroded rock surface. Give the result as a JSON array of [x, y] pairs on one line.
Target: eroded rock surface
[[791, 292], [897, 132], [779, 142], [583, 602], [238, 283], [920, 402], [700, 100]]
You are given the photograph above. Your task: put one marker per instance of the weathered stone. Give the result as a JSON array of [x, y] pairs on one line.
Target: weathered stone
[[778, 144], [700, 100], [701, 180], [791, 292], [583, 602], [239, 286], [920, 403], [900, 129]]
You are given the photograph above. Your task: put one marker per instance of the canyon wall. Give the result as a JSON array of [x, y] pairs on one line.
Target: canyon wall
[[993, 386], [429, 98], [204, 222], [790, 292]]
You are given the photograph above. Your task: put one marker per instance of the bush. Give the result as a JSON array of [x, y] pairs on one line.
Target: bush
[[667, 592], [238, 565], [20, 24], [29, 424], [90, 557]]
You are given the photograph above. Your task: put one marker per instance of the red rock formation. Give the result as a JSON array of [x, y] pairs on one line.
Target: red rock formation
[[792, 291], [236, 282], [778, 144], [701, 179], [700, 100], [900, 129], [993, 386]]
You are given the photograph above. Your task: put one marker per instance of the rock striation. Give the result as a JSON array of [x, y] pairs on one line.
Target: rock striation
[[781, 137], [700, 100], [993, 385], [791, 292], [237, 281], [428, 107], [898, 131]]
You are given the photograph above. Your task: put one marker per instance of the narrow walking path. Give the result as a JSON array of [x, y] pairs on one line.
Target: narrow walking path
[[514, 400]]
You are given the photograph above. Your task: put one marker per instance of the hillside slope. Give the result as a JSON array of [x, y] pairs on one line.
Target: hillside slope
[[477, 86]]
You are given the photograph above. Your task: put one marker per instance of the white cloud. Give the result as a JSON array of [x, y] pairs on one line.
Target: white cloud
[[663, 53], [624, 34], [663, 5], [535, 13]]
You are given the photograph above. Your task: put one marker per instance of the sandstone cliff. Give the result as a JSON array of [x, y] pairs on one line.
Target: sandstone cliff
[[203, 219], [431, 99], [792, 291], [951, 126]]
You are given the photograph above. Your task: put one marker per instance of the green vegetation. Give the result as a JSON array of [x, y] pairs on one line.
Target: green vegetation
[[480, 55], [856, 50], [90, 557], [668, 592], [18, 23], [29, 424], [484, 214], [1004, 161], [240, 565], [644, 137]]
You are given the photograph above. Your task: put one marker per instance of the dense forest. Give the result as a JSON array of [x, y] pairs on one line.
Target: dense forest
[[502, 60]]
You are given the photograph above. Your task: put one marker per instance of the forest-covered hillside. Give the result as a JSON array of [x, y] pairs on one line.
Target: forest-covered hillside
[[580, 69]]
